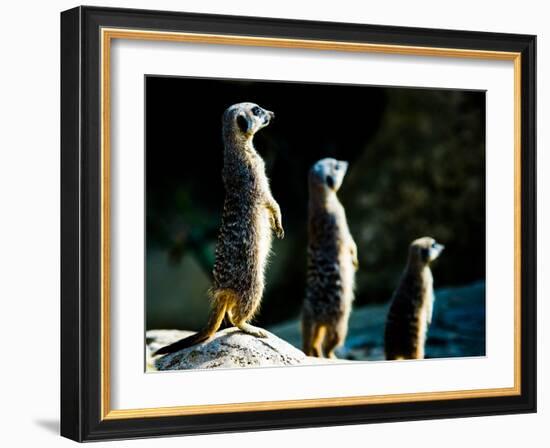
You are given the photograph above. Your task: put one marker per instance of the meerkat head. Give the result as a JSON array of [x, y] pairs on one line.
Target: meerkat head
[[425, 250], [328, 174], [246, 119]]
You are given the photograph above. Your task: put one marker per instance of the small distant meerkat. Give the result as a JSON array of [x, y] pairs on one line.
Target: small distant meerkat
[[331, 264], [410, 312], [249, 215]]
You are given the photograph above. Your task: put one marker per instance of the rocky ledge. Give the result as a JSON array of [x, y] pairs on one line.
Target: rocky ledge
[[229, 348]]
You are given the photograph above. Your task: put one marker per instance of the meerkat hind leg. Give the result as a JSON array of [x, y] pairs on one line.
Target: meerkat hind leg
[[419, 353], [329, 344], [317, 337], [336, 335], [252, 330], [333, 339], [245, 327]]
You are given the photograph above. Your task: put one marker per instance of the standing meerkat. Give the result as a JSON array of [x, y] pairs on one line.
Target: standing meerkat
[[331, 265], [249, 215], [411, 310]]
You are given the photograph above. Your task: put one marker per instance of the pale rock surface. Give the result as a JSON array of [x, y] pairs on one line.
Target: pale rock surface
[[229, 348]]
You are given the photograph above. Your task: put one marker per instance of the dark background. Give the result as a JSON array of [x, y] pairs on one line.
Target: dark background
[[417, 167]]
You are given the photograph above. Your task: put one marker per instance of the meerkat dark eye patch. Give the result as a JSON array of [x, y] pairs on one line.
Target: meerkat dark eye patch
[[242, 122], [330, 181], [256, 111], [425, 253]]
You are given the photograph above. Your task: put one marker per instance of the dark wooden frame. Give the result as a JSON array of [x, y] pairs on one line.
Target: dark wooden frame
[[81, 416]]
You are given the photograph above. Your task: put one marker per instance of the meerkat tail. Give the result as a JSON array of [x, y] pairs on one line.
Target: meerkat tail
[[214, 322]]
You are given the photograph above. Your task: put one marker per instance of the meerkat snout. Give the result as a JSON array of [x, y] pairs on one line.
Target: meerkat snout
[[247, 118], [270, 116], [328, 174]]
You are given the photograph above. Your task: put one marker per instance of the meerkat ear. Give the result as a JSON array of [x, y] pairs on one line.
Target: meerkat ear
[[243, 123]]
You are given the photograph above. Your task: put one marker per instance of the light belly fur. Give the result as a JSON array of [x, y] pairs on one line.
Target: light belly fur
[[263, 248], [347, 274]]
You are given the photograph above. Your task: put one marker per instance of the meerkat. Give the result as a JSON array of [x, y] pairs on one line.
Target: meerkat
[[331, 264], [411, 310], [250, 214]]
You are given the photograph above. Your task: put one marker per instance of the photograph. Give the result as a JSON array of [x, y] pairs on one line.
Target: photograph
[[300, 223]]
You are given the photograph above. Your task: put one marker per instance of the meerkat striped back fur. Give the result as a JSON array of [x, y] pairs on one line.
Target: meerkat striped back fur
[[250, 213], [331, 264], [411, 309]]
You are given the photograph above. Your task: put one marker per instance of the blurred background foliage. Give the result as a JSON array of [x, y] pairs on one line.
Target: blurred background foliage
[[417, 167]]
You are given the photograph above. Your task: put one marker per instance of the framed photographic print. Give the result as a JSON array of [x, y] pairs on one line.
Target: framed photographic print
[[275, 224]]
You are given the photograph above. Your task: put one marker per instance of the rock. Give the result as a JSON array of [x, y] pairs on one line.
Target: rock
[[229, 348]]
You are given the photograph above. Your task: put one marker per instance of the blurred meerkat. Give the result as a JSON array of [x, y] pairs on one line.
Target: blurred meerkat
[[331, 264], [249, 215], [410, 312]]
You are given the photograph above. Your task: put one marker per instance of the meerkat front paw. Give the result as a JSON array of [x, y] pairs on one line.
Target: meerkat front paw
[[354, 257], [276, 218], [279, 231], [355, 262], [277, 223]]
